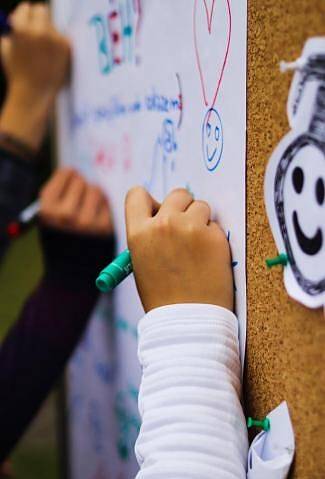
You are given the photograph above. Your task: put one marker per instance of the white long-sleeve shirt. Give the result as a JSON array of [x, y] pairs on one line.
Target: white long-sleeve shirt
[[193, 425]]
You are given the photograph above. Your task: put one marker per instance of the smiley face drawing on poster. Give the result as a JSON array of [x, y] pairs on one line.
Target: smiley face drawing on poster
[[212, 139], [295, 200]]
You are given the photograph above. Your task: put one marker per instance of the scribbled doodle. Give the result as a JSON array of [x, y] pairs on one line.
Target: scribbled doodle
[[78, 358], [105, 371], [156, 101], [128, 422], [115, 108], [95, 425], [163, 161], [113, 155], [181, 100], [233, 263], [105, 158], [126, 327], [116, 33], [104, 55]]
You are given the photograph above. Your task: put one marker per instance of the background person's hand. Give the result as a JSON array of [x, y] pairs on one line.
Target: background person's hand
[[36, 61], [178, 254], [69, 203]]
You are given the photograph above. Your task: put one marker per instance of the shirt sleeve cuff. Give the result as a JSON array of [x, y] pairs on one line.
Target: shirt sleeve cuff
[[179, 312]]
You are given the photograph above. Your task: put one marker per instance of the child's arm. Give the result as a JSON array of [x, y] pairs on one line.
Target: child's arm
[[76, 240], [193, 424]]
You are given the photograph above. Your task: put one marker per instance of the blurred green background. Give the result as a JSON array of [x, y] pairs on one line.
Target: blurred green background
[[37, 455]]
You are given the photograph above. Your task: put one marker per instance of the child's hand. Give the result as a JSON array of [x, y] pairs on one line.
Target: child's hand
[[69, 203], [178, 254], [36, 60]]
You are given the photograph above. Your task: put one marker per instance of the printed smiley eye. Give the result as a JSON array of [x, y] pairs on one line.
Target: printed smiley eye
[[320, 191], [217, 133], [208, 130], [298, 179]]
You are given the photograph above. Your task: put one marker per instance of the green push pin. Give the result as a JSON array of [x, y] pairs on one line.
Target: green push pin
[[264, 423], [282, 259]]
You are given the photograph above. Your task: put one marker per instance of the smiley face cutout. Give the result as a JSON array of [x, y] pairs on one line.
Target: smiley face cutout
[[303, 210], [212, 139]]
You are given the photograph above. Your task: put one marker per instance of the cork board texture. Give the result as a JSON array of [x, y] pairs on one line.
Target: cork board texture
[[286, 342]]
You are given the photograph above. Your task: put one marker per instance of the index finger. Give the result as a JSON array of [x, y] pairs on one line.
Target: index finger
[[177, 201], [55, 187], [139, 206]]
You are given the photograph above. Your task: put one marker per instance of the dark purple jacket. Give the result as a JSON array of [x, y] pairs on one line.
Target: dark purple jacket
[[37, 348]]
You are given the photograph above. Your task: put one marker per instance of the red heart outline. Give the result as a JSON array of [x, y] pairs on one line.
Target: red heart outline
[[137, 5], [209, 19], [197, 53]]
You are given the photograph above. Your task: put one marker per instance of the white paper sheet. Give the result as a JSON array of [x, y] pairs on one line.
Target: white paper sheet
[[271, 453], [295, 182], [158, 98]]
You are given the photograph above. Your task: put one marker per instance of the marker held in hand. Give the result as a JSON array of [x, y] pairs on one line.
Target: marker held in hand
[[24, 220], [115, 272]]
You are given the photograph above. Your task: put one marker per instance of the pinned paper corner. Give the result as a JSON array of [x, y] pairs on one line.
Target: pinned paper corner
[[271, 453]]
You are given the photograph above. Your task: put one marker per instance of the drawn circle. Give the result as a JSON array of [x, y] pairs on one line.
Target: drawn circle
[[212, 139]]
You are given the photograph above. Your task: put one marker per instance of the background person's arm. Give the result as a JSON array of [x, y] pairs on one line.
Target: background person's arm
[[36, 60], [77, 239]]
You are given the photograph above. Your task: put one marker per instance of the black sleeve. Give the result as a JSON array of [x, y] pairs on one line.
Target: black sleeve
[[18, 183], [37, 348]]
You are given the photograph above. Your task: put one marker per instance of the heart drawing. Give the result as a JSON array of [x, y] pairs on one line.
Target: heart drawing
[[137, 5], [205, 27]]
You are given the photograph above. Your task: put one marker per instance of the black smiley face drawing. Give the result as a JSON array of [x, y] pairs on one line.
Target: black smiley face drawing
[[300, 207], [309, 245]]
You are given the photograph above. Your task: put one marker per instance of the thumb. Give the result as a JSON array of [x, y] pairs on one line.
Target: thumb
[[139, 207]]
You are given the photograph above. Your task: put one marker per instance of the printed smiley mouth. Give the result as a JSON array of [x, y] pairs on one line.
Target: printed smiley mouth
[[310, 246]]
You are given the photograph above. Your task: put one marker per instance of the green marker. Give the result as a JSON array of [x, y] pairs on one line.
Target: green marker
[[264, 424], [282, 259], [115, 273]]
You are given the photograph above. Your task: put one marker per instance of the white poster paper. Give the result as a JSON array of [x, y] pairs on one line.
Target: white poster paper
[[158, 98]]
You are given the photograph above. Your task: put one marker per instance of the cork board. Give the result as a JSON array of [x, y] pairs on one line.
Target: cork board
[[285, 342]]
